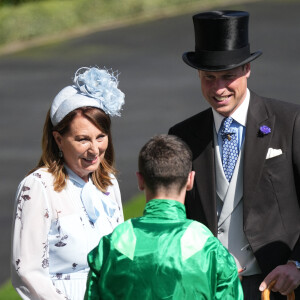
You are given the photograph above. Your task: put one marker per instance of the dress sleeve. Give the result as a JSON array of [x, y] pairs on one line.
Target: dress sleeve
[[30, 248], [228, 283]]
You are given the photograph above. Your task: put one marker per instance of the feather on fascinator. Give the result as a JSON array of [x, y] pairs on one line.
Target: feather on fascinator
[[92, 87]]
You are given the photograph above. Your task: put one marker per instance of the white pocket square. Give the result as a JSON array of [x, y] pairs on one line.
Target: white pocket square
[[273, 152]]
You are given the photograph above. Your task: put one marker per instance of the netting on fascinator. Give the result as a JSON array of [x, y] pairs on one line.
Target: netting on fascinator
[[92, 87], [103, 86]]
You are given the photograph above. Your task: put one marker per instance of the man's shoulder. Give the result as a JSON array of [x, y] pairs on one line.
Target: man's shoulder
[[199, 229], [192, 122], [282, 106], [195, 237], [126, 225], [276, 105]]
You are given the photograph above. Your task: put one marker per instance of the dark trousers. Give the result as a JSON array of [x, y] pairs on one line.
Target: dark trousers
[[251, 292]]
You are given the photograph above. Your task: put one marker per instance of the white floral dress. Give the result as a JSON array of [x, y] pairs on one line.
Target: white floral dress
[[54, 231]]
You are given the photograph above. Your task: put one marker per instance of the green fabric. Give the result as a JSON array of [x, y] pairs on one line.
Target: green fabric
[[162, 255]]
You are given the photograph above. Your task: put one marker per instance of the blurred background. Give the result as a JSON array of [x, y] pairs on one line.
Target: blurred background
[[43, 43]]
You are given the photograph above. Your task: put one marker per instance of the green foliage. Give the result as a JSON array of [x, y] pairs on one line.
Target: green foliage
[[15, 2], [7, 292], [135, 207], [37, 18], [34, 20]]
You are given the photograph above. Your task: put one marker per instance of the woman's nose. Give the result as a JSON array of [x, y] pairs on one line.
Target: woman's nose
[[94, 148]]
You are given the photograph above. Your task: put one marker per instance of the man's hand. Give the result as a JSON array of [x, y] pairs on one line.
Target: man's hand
[[239, 273], [287, 279]]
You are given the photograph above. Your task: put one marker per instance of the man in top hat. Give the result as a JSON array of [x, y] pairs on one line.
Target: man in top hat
[[246, 155]]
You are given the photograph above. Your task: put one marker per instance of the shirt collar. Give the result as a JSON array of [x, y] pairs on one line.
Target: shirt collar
[[239, 115], [165, 209], [74, 177]]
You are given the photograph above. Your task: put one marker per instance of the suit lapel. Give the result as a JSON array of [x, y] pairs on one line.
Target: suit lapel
[[256, 147], [205, 171]]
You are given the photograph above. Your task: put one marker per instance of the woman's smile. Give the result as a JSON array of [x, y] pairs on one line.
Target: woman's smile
[[83, 146]]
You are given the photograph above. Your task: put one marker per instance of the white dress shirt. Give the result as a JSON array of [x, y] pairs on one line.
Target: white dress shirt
[[240, 118]]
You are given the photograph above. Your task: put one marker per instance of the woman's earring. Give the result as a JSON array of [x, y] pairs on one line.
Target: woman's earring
[[60, 154]]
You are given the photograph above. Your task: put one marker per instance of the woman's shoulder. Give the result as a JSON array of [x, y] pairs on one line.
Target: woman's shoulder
[[34, 183], [113, 190], [113, 180], [38, 175], [113, 177]]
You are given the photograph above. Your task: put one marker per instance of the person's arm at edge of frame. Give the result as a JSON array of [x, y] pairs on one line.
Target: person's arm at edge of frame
[[288, 276], [30, 252]]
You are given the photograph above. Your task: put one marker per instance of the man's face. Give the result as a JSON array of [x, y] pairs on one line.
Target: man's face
[[225, 90]]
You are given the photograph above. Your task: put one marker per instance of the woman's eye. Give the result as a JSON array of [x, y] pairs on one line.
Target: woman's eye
[[101, 137], [83, 139]]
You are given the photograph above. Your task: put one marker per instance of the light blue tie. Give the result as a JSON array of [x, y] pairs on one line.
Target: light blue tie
[[230, 147]]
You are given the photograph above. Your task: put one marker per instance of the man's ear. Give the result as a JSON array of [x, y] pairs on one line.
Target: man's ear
[[141, 182], [248, 70], [190, 181], [58, 138]]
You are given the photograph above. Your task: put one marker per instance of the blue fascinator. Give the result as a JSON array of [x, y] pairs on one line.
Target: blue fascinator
[[92, 87]]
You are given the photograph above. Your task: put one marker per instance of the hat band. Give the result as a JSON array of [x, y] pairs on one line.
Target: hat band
[[218, 58], [73, 102]]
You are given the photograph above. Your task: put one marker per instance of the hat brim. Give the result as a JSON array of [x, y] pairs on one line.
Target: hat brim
[[190, 59]]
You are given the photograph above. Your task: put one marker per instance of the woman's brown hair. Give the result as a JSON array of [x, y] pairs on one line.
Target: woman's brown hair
[[50, 153]]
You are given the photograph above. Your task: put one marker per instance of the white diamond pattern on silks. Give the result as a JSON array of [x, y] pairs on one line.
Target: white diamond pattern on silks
[[230, 148]]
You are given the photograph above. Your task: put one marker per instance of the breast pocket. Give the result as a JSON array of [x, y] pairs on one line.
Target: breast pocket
[[276, 160]]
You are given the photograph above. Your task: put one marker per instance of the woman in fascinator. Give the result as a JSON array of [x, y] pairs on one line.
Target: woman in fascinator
[[71, 198]]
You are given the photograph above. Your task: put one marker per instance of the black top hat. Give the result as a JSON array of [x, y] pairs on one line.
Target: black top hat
[[221, 39]]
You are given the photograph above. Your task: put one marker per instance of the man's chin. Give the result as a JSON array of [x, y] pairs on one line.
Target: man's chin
[[223, 111]]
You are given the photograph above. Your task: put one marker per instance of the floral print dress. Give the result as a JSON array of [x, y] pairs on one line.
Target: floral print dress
[[54, 231]]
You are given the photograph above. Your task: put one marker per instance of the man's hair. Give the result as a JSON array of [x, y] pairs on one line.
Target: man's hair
[[165, 161]]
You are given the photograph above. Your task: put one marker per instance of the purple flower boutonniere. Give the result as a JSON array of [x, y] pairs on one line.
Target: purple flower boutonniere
[[264, 130]]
